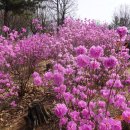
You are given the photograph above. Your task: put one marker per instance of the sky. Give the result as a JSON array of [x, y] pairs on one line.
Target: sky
[[100, 10]]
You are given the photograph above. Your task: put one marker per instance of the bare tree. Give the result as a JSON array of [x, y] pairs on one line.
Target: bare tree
[[57, 10], [121, 16], [62, 9]]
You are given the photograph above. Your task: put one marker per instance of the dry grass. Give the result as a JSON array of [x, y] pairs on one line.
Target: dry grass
[[129, 70]]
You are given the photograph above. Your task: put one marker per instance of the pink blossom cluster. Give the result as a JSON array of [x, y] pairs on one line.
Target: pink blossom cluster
[[8, 91], [21, 54], [90, 78], [122, 31], [37, 79], [87, 33], [86, 92], [37, 25]]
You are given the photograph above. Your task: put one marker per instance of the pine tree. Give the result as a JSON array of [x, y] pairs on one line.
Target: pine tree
[[17, 6]]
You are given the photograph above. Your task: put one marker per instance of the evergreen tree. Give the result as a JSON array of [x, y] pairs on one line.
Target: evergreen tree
[[17, 6]]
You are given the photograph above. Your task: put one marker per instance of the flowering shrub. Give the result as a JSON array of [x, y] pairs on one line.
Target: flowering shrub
[[122, 31], [89, 76], [20, 55], [77, 33], [90, 80], [87, 33], [93, 87], [8, 91], [36, 26]]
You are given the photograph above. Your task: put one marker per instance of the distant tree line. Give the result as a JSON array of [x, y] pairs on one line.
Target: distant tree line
[[19, 13], [121, 17]]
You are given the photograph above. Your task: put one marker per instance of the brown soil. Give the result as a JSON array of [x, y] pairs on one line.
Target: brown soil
[[14, 118]]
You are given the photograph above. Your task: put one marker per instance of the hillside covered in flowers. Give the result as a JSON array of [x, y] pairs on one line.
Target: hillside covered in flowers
[[82, 65]]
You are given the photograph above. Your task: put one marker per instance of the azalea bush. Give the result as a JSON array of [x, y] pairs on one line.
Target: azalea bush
[[86, 33], [29, 53], [8, 91], [90, 80], [89, 89], [21, 55], [89, 74]]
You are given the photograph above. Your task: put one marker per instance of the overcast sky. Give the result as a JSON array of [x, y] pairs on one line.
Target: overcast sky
[[101, 10]]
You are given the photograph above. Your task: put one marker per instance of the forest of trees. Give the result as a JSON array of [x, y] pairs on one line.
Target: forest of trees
[[19, 13], [121, 17]]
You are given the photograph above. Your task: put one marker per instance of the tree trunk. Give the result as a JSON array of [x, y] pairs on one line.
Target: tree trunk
[[5, 17], [63, 17], [21, 92], [37, 115], [58, 17]]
